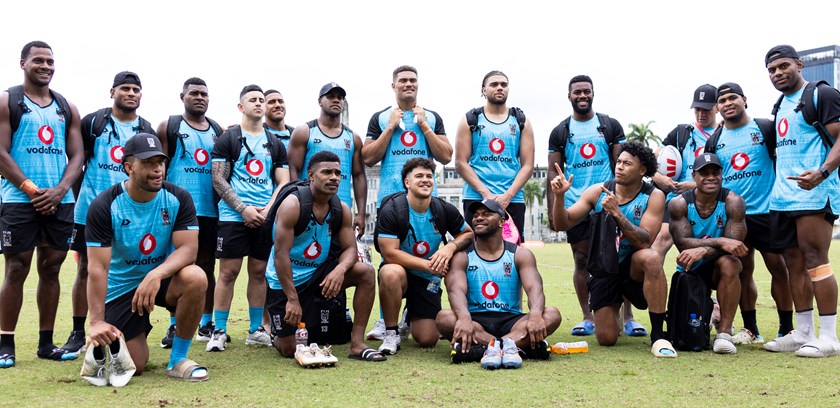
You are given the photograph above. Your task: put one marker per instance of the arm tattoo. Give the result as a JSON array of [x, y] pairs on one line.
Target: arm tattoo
[[638, 236], [221, 171]]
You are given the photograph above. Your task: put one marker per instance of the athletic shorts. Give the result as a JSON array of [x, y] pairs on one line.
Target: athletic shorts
[[22, 228], [207, 233], [309, 296], [516, 211], [234, 240], [785, 228], [118, 312], [761, 232], [422, 298], [497, 324], [579, 232], [611, 290], [77, 239]]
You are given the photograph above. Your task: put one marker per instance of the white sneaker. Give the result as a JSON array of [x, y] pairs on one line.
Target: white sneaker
[[821, 347], [93, 370], [390, 342], [492, 358], [404, 327], [745, 336], [306, 357], [787, 343], [258, 338], [378, 331], [510, 354], [325, 355], [218, 342], [723, 344], [122, 367]]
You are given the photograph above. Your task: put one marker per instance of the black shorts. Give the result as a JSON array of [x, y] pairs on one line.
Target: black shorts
[[77, 239], [761, 232], [579, 232], [497, 324], [785, 227], [516, 211], [118, 313], [22, 228], [422, 298], [234, 240], [207, 233], [612, 290]]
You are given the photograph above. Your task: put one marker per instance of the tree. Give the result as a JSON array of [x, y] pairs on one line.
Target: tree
[[533, 191], [640, 132]]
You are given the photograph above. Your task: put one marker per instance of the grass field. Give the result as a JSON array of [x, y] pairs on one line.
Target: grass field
[[624, 375]]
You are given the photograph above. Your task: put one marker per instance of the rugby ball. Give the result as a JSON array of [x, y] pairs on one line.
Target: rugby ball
[[669, 162]]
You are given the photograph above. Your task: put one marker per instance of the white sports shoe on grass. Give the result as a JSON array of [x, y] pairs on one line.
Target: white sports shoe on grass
[[390, 342], [94, 371], [787, 343], [121, 367], [258, 338], [378, 331], [723, 344]]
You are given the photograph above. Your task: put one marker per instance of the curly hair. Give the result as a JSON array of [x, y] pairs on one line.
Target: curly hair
[[643, 153]]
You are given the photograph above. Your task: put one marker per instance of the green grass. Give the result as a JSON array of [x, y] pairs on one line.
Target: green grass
[[624, 375]]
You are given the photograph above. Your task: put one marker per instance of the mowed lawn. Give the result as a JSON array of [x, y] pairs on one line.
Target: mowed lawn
[[624, 375]]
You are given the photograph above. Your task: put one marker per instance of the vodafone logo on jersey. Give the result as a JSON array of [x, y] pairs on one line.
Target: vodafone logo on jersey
[[490, 290], [254, 167], [202, 157], [116, 154], [147, 244], [421, 249], [497, 145], [588, 150], [313, 251], [705, 236], [408, 138], [740, 161], [45, 133], [699, 151], [783, 127]]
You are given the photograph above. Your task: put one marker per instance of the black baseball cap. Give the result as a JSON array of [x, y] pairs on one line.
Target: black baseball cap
[[126, 77], [728, 88], [144, 146], [704, 97], [489, 204], [780, 51], [329, 87], [706, 159]]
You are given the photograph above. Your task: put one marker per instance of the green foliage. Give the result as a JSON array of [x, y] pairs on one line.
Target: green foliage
[[640, 132], [534, 191]]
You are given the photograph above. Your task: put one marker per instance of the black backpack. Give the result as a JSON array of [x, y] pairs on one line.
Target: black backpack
[[809, 110], [472, 118], [94, 123], [602, 257], [173, 136], [767, 128], [680, 134], [301, 189], [400, 201], [611, 134], [274, 146], [689, 295], [17, 107]]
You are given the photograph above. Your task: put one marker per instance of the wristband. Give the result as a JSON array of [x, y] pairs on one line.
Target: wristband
[[824, 172], [29, 187]]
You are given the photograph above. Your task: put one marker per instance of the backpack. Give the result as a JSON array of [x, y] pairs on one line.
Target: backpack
[[606, 128], [173, 135], [767, 128], [472, 118], [274, 146], [689, 296], [809, 110], [681, 135], [268, 129], [304, 193], [94, 123], [17, 107], [400, 201]]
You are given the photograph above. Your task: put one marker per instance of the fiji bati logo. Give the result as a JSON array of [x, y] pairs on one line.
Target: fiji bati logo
[[164, 216], [637, 212], [719, 221], [116, 154], [756, 138], [497, 145], [313, 251], [490, 290], [588, 150], [147, 244], [201, 157], [46, 134], [512, 129], [254, 167], [408, 138], [508, 269], [421, 249], [347, 145]]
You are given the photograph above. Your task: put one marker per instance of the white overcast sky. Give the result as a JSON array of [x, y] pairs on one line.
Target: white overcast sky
[[645, 57]]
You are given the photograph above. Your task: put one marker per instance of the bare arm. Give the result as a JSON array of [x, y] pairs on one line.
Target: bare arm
[[334, 281], [374, 149], [185, 243], [567, 218], [526, 160], [526, 265], [734, 231], [100, 332], [391, 253], [221, 172], [640, 236], [558, 159], [284, 236], [359, 185], [297, 151], [162, 136], [439, 261], [439, 145], [456, 290]]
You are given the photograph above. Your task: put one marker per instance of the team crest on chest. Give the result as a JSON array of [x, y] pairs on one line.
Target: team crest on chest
[[346, 144], [756, 138], [512, 129], [637, 212], [508, 267], [164, 216], [719, 221]]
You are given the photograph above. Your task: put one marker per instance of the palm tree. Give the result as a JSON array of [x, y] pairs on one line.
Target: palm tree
[[641, 132], [533, 191]]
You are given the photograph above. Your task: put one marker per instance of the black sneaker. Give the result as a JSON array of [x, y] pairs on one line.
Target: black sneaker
[[76, 342], [472, 356], [205, 333], [541, 352], [166, 341]]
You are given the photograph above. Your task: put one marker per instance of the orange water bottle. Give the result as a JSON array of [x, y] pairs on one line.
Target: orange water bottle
[[570, 348], [301, 335]]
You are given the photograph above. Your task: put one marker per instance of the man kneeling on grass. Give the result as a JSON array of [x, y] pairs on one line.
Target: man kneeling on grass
[[484, 285], [131, 230]]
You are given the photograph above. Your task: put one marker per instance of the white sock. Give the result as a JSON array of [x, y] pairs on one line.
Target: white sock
[[804, 326], [828, 326]]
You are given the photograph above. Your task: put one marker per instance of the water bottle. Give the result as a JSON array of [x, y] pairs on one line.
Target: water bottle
[[695, 328], [570, 348], [347, 316], [302, 335]]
